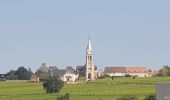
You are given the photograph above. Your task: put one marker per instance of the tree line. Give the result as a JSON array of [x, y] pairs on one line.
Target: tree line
[[21, 73]]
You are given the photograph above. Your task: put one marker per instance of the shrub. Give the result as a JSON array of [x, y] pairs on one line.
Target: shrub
[[127, 97], [127, 75], [150, 97], [101, 77], [53, 85], [65, 97]]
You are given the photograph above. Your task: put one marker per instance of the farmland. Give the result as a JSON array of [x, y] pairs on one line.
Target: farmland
[[102, 89]]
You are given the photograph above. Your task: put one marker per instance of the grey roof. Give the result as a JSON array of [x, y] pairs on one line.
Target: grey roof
[[70, 69], [43, 68], [60, 72]]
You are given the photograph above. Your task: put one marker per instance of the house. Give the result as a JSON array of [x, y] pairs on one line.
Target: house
[[70, 76], [54, 71], [100, 73], [81, 70], [43, 68], [138, 71], [3, 77], [42, 72], [34, 78]]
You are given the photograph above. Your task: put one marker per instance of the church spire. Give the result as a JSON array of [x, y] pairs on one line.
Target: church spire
[[89, 46], [90, 71]]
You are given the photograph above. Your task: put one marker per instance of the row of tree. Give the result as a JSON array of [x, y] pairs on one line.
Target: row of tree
[[23, 73], [20, 74]]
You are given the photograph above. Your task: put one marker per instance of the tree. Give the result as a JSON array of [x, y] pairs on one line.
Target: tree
[[53, 85], [165, 71], [23, 74], [11, 75], [43, 75]]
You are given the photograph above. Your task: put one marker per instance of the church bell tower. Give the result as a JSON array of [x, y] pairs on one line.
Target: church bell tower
[[90, 71]]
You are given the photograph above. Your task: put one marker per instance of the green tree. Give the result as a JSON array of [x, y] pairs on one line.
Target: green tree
[[53, 85], [23, 74], [165, 71], [11, 75], [43, 75]]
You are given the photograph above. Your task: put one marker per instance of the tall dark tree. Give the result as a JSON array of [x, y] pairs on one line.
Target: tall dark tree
[[23, 74], [53, 85]]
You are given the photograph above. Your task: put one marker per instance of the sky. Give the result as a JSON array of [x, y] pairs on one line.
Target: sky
[[55, 32]]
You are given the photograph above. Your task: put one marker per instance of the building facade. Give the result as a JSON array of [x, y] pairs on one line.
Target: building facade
[[70, 76], [130, 71]]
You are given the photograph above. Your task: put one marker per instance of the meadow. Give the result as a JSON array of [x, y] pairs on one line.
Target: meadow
[[101, 89]]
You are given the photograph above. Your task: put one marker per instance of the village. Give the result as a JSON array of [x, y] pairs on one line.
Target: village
[[84, 50], [89, 71]]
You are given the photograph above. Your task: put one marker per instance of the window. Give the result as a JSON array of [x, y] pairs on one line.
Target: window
[[90, 58]]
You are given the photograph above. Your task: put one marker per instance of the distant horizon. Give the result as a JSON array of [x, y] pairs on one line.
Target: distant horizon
[[128, 33]]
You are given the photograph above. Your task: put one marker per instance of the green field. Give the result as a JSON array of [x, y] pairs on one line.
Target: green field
[[102, 89]]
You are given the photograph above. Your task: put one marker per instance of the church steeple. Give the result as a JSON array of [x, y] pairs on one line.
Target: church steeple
[[89, 46], [90, 73], [89, 49]]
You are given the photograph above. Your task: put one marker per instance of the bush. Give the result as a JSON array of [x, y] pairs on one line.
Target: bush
[[53, 85], [65, 97], [101, 77], [127, 75], [127, 97], [150, 97]]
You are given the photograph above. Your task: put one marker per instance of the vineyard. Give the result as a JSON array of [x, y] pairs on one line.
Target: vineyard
[[102, 89]]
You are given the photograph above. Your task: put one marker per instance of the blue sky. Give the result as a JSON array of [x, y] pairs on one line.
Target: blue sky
[[123, 33]]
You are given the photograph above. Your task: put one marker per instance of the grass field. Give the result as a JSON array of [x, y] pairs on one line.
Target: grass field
[[103, 89]]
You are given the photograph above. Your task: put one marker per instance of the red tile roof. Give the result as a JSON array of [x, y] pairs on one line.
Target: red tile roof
[[127, 70]]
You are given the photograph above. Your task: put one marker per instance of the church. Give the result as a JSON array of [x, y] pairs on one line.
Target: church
[[89, 69], [69, 75], [91, 73]]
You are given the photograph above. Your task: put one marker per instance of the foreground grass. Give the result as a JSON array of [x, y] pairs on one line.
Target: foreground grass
[[103, 89]]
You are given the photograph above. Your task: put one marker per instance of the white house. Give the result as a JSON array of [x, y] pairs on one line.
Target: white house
[[70, 77]]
